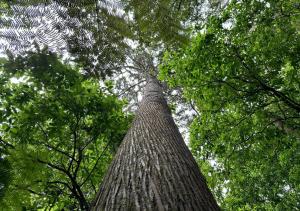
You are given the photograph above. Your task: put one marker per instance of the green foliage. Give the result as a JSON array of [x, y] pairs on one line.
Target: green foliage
[[242, 73], [5, 176], [98, 45], [166, 23], [58, 130], [92, 32], [159, 21]]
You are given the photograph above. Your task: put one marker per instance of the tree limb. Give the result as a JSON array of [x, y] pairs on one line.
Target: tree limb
[[106, 147]]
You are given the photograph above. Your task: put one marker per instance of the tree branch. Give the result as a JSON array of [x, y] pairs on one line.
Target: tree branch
[[288, 101], [102, 153], [6, 143], [74, 132], [132, 86], [53, 166], [50, 146]]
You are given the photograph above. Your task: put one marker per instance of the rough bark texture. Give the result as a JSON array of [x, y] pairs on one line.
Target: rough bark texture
[[153, 168]]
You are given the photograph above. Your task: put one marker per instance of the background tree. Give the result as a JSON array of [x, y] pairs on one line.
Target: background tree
[[164, 24], [92, 32], [99, 35], [58, 132], [242, 75]]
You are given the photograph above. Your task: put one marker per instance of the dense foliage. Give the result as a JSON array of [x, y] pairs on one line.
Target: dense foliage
[[58, 131], [242, 75], [90, 32]]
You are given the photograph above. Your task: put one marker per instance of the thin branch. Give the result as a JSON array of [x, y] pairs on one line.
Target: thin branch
[[74, 132], [194, 108], [80, 157], [132, 67], [94, 167], [129, 88], [56, 149], [288, 101], [60, 182], [6, 143], [235, 88], [53, 166], [76, 191], [249, 138], [29, 190], [90, 141], [92, 184], [43, 130], [50, 146]]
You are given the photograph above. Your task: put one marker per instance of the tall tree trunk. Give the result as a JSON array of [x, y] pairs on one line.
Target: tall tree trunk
[[153, 168]]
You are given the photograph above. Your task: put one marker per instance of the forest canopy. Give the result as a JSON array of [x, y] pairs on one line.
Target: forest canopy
[[58, 132], [242, 75], [71, 76]]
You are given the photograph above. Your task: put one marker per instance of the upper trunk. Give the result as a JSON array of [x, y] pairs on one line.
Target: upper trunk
[[153, 168]]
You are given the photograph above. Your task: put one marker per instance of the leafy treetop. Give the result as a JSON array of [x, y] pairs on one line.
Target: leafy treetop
[[58, 132], [242, 76]]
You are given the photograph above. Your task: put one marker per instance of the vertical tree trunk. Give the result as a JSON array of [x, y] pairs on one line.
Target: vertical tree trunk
[[153, 168]]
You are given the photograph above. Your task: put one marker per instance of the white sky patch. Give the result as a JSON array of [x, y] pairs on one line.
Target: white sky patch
[[16, 80], [228, 24]]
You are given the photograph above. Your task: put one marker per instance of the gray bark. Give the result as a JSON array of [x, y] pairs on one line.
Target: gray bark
[[153, 168]]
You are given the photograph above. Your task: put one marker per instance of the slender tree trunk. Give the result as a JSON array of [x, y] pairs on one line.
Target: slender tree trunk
[[153, 168]]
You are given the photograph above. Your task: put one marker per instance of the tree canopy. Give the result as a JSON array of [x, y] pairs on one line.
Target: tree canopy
[[58, 132], [235, 62], [242, 76]]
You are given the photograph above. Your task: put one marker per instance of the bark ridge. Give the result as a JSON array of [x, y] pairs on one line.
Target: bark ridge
[[153, 168]]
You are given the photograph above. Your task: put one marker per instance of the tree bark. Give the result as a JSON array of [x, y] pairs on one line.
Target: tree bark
[[153, 168]]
